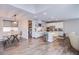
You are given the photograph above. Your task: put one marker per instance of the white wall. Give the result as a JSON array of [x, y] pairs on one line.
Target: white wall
[[71, 26], [1, 28], [7, 11], [23, 26]]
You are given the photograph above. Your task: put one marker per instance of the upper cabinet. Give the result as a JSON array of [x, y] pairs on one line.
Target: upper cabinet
[[7, 23]]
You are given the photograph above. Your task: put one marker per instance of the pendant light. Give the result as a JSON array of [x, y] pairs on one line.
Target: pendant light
[[15, 21]]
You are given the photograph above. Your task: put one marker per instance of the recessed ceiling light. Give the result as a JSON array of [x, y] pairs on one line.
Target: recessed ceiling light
[[35, 16], [44, 13], [52, 17], [56, 19]]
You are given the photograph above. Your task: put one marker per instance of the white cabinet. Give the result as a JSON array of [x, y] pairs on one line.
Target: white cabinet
[[50, 37], [37, 34]]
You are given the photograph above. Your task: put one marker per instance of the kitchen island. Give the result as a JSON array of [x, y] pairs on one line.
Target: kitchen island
[[51, 36]]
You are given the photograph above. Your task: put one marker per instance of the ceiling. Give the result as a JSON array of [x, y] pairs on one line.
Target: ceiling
[[32, 8], [8, 11], [47, 12]]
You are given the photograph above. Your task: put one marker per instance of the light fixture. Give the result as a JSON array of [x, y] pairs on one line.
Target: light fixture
[[35, 16], [14, 22], [52, 17], [56, 19], [44, 13]]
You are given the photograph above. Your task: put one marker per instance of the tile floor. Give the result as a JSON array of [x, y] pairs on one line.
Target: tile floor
[[40, 47]]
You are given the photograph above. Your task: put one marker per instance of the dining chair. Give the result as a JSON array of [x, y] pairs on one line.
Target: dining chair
[[6, 42], [20, 36]]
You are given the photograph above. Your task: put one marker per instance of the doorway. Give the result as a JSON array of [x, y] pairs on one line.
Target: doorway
[[30, 29]]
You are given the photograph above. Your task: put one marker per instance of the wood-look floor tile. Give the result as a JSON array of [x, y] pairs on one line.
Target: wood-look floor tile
[[40, 47]]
